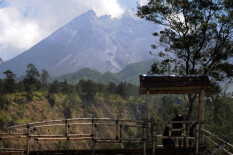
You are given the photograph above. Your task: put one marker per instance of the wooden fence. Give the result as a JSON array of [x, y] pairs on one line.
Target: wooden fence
[[30, 132]]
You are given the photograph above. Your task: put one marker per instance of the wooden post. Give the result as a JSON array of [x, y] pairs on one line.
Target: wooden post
[[148, 118], [67, 132], [28, 138], [37, 145], [154, 139], [144, 138], [93, 136], [0, 143], [197, 138], [67, 128], [201, 119], [120, 132], [185, 140], [116, 129], [170, 129]]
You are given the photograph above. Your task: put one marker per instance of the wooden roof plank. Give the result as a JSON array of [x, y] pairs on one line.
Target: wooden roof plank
[[172, 84]]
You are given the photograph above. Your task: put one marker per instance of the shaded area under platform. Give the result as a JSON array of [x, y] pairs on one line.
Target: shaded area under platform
[[159, 151]]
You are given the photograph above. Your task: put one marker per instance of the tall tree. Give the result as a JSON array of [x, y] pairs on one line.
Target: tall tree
[[9, 85], [196, 36], [31, 83], [44, 78]]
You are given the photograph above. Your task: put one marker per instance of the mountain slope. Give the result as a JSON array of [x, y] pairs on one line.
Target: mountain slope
[[99, 43], [129, 74]]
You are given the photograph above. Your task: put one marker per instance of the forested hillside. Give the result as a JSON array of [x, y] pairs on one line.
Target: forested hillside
[[33, 99]]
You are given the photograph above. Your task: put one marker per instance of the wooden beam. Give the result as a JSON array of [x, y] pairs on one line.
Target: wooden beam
[[172, 90]]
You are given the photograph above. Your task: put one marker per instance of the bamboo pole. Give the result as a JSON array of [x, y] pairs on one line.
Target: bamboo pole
[[93, 137], [60, 136], [11, 134], [170, 129], [154, 139], [185, 140], [148, 118], [117, 129], [136, 126], [202, 117], [167, 137], [62, 139], [197, 138], [79, 135], [0, 143], [28, 137], [120, 132], [144, 139], [12, 152], [67, 128], [11, 149]]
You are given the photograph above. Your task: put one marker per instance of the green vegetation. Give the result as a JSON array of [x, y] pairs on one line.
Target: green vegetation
[[59, 100], [129, 74]]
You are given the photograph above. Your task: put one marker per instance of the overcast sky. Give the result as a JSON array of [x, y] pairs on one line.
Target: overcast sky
[[23, 23]]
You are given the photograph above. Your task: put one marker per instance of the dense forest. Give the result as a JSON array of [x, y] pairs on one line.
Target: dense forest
[[34, 99]]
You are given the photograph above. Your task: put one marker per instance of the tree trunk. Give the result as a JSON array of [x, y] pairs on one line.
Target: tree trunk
[[191, 99]]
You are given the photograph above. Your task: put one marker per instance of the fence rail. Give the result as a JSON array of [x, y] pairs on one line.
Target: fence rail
[[29, 132]]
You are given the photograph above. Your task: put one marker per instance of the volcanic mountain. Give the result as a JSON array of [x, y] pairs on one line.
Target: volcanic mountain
[[99, 43]]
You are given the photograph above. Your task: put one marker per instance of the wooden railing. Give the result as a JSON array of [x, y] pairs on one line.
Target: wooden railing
[[184, 136], [220, 144], [31, 131]]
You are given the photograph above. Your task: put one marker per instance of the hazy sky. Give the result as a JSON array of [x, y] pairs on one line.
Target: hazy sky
[[23, 23]]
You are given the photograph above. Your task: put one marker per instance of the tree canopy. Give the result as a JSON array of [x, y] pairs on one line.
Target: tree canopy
[[196, 36]]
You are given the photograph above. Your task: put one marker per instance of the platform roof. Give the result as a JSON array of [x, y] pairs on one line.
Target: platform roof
[[172, 84]]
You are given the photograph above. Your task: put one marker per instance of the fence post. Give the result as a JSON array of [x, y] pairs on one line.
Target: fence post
[[197, 138], [148, 119], [93, 136], [120, 132], [116, 129], [67, 128], [36, 145], [185, 141], [154, 139], [28, 137], [0, 143], [144, 138]]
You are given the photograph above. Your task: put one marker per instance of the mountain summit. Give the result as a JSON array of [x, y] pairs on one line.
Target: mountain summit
[[100, 43]]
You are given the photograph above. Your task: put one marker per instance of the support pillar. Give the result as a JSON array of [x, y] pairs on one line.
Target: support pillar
[[148, 118], [201, 116], [144, 139], [27, 140]]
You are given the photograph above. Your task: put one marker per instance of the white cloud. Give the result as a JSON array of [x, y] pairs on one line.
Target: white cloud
[[24, 23], [16, 32], [143, 2]]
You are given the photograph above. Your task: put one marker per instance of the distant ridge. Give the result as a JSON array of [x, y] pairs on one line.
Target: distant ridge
[[129, 74]]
